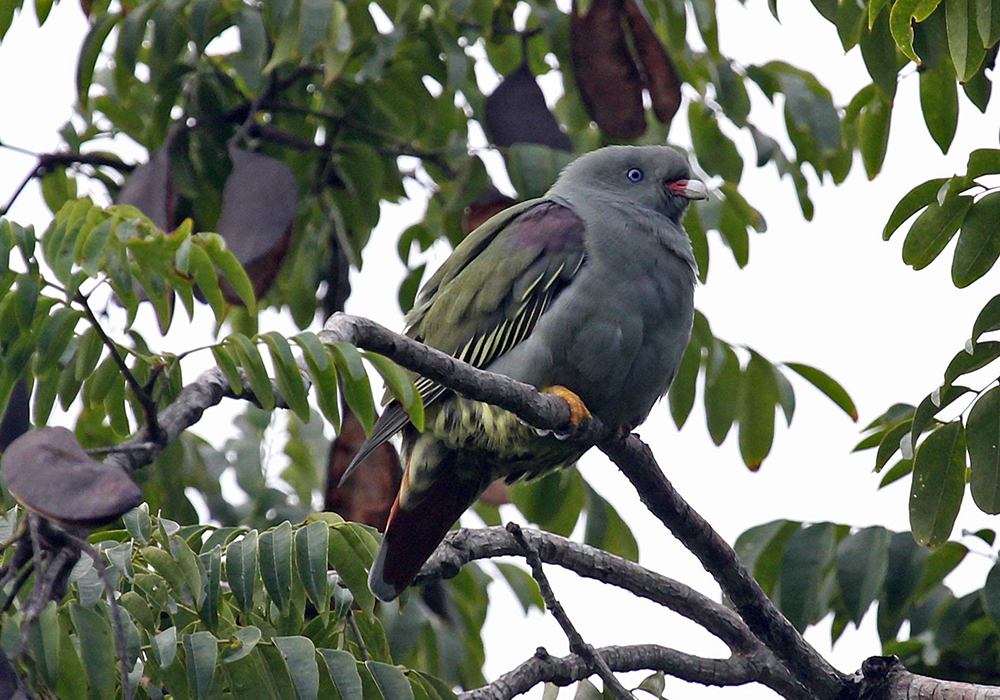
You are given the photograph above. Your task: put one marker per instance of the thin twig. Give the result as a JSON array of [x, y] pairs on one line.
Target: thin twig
[[577, 645], [148, 406], [362, 649]]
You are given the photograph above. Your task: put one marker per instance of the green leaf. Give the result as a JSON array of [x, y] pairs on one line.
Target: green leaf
[[203, 272], [324, 374], [979, 242], [761, 548], [862, 563], [300, 656], [930, 406], [211, 562], [873, 133], [201, 651], [164, 647], [983, 438], [344, 673], [241, 569], [716, 153], [97, 647], [806, 557], [682, 390], [939, 103], [826, 384], [314, 21], [988, 22], [346, 562], [286, 370], [964, 42], [243, 642], [938, 565], [276, 564], [878, 49], [553, 502], [875, 8], [533, 167], [990, 595], [401, 386], [187, 562], [253, 365], [390, 681], [964, 362], [215, 246], [896, 472], [525, 588], [89, 52], [757, 399], [606, 529], [890, 443], [26, 299], [987, 320], [311, 545], [902, 31], [357, 390], [933, 229], [287, 44], [722, 383], [224, 359], [938, 484], [912, 202], [167, 567], [139, 524]]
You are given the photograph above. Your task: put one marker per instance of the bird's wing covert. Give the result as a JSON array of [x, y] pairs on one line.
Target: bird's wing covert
[[486, 303]]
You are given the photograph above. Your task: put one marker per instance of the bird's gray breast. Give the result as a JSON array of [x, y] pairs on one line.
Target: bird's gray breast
[[616, 335]]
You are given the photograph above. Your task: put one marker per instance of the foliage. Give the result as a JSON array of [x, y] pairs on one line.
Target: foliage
[[208, 610]]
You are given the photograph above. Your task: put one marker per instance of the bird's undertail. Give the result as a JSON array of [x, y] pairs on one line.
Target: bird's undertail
[[415, 530]]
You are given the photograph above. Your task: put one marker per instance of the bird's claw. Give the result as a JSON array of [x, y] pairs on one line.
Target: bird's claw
[[579, 414]]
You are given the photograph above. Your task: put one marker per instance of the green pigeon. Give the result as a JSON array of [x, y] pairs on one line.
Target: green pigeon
[[586, 292]]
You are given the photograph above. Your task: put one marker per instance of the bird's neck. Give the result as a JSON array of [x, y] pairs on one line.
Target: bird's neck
[[629, 224]]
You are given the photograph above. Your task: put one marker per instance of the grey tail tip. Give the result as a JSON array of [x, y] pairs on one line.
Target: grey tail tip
[[380, 588]]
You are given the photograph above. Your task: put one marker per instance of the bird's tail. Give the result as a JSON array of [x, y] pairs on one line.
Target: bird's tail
[[419, 520]]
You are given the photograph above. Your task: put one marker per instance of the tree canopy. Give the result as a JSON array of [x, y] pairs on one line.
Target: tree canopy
[[275, 131]]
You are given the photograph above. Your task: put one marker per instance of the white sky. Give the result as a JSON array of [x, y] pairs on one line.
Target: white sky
[[829, 293]]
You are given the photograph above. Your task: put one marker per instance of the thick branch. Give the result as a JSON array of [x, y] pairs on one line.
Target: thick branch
[[884, 678], [636, 461], [641, 657], [466, 545]]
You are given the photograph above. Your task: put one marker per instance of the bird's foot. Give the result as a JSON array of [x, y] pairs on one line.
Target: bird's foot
[[578, 412]]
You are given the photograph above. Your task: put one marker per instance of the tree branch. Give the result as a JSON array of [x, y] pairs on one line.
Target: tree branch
[[634, 458], [466, 545], [884, 678], [576, 642], [641, 657]]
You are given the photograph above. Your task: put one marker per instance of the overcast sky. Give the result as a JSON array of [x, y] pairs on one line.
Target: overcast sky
[[828, 292]]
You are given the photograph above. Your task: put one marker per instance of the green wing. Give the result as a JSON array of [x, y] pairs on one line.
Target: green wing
[[489, 295]]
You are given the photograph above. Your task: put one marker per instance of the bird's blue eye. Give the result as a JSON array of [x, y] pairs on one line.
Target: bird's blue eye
[[634, 174]]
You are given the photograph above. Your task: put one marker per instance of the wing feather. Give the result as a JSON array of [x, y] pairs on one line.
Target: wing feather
[[488, 305]]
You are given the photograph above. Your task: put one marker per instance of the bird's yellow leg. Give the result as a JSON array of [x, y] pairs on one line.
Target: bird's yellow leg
[[578, 412]]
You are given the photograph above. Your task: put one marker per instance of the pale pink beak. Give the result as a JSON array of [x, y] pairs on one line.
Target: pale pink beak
[[691, 189]]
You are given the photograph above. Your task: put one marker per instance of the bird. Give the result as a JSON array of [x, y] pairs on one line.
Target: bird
[[585, 293]]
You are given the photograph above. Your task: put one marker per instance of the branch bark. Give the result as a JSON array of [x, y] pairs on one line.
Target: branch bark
[[569, 669]]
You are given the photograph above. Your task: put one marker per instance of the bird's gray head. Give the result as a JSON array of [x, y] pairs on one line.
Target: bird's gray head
[[656, 177]]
